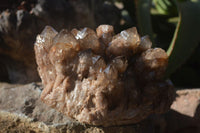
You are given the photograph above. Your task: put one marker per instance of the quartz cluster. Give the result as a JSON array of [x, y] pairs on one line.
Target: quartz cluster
[[100, 78]]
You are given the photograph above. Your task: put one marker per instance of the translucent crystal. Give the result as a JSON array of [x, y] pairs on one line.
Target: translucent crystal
[[87, 39], [124, 35], [111, 72], [145, 43], [67, 39], [42, 46], [49, 32], [45, 37], [64, 50], [105, 33], [124, 43], [101, 79], [81, 34], [85, 61], [99, 65], [95, 59], [120, 63], [152, 63]]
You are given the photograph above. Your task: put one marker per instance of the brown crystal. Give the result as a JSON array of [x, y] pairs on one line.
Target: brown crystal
[[101, 79], [125, 43], [151, 64], [144, 44], [87, 39], [105, 33]]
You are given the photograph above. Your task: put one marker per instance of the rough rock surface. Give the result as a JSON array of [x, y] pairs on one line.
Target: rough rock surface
[[21, 110], [16, 115], [184, 116], [101, 79], [184, 100]]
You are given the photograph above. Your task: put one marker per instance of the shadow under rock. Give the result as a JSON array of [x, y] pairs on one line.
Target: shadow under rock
[[175, 122]]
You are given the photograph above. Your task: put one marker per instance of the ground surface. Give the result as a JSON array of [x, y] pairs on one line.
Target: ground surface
[[22, 111]]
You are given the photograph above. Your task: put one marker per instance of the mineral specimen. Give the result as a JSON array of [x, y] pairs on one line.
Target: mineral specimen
[[101, 78]]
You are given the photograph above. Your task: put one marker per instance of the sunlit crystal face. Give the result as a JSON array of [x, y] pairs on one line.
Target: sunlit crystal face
[[100, 78], [81, 34]]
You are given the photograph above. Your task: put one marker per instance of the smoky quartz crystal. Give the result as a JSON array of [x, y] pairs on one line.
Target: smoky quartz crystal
[[100, 78]]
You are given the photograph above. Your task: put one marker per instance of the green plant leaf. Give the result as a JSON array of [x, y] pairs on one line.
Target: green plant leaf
[[167, 7], [187, 34], [144, 18]]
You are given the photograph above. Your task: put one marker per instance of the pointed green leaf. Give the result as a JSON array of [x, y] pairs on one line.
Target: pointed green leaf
[[187, 34]]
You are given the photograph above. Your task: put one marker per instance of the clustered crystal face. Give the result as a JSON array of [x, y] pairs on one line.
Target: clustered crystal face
[[100, 78]]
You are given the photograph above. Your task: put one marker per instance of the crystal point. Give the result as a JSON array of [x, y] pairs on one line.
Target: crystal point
[[105, 33], [124, 43]]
